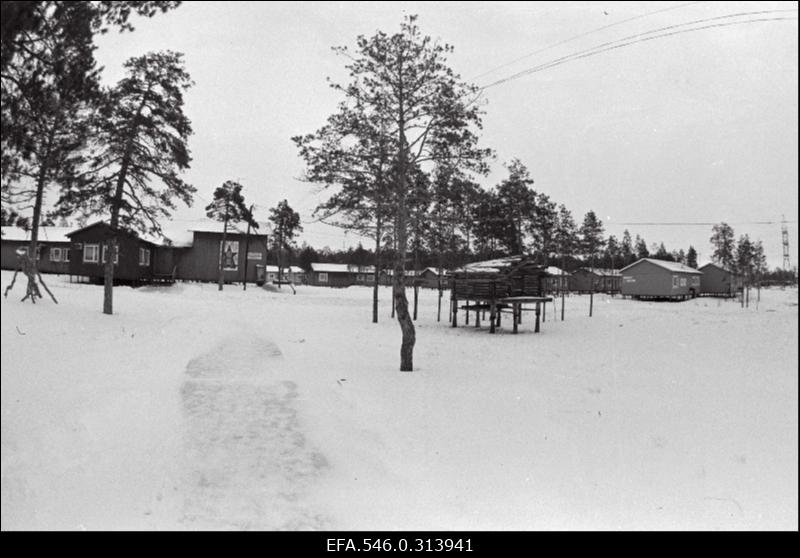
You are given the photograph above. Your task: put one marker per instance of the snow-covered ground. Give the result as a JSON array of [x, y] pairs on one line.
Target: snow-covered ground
[[194, 409]]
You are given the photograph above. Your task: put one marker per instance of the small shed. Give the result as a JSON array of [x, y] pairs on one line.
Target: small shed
[[719, 281], [430, 278], [133, 261], [595, 279], [53, 248], [651, 278]]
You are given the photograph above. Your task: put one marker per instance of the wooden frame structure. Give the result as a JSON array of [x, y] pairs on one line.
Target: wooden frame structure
[[504, 285]]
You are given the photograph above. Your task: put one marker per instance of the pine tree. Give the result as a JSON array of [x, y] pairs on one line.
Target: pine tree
[[287, 225], [641, 248], [662, 253], [140, 138], [566, 241], [591, 238], [626, 249], [691, 257], [612, 255], [517, 204], [228, 206], [401, 89], [722, 239]]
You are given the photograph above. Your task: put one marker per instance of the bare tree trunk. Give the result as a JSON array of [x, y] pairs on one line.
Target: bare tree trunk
[[377, 270], [221, 278], [399, 286], [111, 243], [591, 288]]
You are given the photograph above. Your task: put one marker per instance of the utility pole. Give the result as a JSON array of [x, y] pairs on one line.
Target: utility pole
[[785, 238]]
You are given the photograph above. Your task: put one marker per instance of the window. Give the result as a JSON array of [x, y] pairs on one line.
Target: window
[[38, 252], [323, 277], [695, 280], [683, 281], [144, 256], [370, 278], [116, 254], [675, 281], [55, 254], [91, 253], [65, 254]]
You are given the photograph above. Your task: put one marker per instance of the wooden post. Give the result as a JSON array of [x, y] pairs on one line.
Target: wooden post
[[515, 306], [536, 327], [416, 297], [477, 317], [246, 249], [491, 317], [439, 303], [466, 317], [454, 308]]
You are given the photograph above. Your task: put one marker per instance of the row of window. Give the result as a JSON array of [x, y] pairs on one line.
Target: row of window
[[677, 281], [323, 277], [91, 252]]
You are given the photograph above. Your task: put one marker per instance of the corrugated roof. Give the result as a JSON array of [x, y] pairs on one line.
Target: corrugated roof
[[671, 266]]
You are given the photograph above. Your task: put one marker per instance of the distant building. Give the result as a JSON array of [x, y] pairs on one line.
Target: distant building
[[719, 281], [557, 281], [340, 275], [269, 274], [650, 278], [595, 279], [53, 248], [430, 278]]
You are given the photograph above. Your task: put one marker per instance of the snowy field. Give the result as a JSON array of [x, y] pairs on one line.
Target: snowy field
[[192, 409]]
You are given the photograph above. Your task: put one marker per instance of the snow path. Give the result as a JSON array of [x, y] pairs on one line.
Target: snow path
[[247, 463]]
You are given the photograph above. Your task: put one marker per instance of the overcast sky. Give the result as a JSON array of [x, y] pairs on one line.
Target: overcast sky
[[695, 127]]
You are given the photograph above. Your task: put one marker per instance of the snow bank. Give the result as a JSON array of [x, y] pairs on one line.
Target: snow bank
[[195, 409]]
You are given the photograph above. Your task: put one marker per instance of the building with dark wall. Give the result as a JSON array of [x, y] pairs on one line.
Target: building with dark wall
[[53, 248], [718, 281], [133, 263], [650, 278], [598, 280], [340, 275]]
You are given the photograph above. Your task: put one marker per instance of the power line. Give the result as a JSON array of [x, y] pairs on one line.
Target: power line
[[642, 37], [695, 223], [581, 36]]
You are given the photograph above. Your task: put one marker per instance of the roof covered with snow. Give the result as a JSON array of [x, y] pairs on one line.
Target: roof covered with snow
[[48, 234], [718, 266], [553, 270], [671, 266], [491, 266], [341, 268], [602, 272]]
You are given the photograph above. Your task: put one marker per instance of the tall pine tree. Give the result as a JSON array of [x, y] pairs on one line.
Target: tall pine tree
[[401, 84], [140, 139], [228, 206]]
